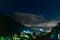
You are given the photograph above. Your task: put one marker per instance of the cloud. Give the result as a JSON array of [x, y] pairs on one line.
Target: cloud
[[51, 23], [31, 20]]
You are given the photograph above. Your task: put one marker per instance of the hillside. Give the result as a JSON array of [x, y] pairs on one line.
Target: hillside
[[9, 25]]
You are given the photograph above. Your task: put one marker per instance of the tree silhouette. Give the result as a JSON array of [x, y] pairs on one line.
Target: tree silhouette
[[56, 29]]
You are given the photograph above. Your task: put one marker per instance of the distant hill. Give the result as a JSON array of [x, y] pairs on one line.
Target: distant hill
[[9, 25]]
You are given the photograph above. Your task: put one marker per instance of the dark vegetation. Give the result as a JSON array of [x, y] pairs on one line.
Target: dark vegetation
[[9, 26]]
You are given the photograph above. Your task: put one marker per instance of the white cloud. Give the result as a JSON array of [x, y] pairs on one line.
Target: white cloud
[[28, 19], [51, 23], [31, 19]]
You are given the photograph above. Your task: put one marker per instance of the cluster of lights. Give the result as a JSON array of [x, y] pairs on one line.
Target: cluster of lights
[[26, 31], [41, 29]]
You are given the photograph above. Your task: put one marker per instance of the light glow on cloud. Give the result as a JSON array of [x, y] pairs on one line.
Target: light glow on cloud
[[51, 23]]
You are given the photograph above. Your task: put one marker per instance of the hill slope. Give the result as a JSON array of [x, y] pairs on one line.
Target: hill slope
[[9, 25]]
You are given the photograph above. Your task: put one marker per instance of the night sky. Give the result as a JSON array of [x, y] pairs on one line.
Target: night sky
[[50, 9]]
